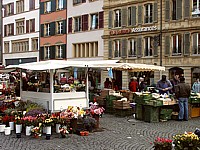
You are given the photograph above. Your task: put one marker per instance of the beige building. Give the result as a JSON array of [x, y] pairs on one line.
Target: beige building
[[146, 31]]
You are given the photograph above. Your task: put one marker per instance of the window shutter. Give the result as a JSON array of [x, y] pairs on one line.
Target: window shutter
[[167, 45], [12, 8], [139, 47], [64, 51], [85, 22], [12, 32], [69, 25], [5, 10], [178, 9], [124, 48], [110, 50], [27, 26], [140, 14], [167, 10], [53, 5], [155, 45], [133, 15], [42, 30], [31, 4], [64, 27], [64, 4], [52, 52], [5, 30], [194, 46], [186, 43], [124, 17], [41, 7], [33, 25], [41, 53], [155, 12], [52, 28], [187, 9], [101, 19], [110, 21]]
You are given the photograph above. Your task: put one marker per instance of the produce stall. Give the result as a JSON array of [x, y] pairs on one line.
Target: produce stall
[[194, 105]]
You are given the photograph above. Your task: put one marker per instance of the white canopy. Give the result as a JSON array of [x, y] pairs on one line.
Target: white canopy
[[58, 64]]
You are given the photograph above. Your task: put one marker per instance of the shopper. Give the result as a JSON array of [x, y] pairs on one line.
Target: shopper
[[108, 84], [164, 85], [182, 92], [196, 86], [133, 84], [142, 84], [174, 82]]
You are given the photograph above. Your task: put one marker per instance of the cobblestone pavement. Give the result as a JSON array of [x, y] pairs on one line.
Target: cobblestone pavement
[[118, 134]]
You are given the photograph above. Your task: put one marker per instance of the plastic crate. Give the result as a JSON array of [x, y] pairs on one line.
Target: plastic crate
[[151, 114], [139, 112], [166, 111]]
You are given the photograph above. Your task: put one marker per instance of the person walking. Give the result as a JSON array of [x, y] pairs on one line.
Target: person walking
[[164, 85], [182, 92], [196, 86]]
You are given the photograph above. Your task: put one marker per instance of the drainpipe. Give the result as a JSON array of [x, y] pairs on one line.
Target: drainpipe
[[161, 63]]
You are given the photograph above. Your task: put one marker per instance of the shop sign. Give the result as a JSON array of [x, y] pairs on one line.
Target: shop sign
[[133, 30]]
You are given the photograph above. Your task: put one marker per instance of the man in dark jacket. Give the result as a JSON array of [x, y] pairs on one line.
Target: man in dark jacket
[[182, 92]]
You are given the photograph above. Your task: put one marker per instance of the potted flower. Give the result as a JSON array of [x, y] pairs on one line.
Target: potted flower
[[18, 124], [63, 131], [2, 125], [28, 122], [6, 119], [36, 131], [89, 123], [48, 123], [188, 140], [162, 144]]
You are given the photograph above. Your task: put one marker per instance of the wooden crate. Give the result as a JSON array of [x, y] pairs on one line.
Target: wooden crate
[[121, 104], [123, 112], [195, 112]]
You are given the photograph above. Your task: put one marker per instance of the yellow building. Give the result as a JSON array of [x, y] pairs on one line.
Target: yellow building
[[153, 32]]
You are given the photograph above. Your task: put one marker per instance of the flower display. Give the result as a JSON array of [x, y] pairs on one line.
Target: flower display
[[36, 131], [188, 140], [29, 120], [48, 122], [95, 109], [162, 144], [64, 131], [72, 112], [6, 119]]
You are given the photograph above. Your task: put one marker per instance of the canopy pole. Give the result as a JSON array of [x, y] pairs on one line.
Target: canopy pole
[[87, 88], [20, 84], [51, 89]]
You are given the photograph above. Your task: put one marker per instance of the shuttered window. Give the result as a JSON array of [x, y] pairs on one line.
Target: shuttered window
[[31, 4], [117, 48], [167, 10], [148, 17], [52, 28], [41, 53], [69, 25], [53, 5], [42, 30], [47, 52], [47, 29], [140, 14], [85, 22], [124, 17], [179, 9], [186, 43], [196, 43], [132, 47], [176, 44], [110, 21], [187, 9], [59, 27], [41, 7], [118, 18], [155, 12], [124, 48], [101, 20], [110, 50], [148, 46], [139, 47], [167, 45]]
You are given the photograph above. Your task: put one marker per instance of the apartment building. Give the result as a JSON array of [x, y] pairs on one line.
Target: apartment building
[[0, 32], [153, 32], [53, 28], [20, 31]]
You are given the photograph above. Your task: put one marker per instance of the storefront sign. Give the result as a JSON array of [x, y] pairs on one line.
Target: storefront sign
[[133, 30]]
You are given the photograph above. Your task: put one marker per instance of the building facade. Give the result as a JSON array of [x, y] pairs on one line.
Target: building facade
[[0, 32], [20, 31], [53, 38], [153, 32]]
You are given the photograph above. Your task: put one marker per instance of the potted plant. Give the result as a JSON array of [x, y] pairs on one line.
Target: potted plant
[[6, 119], [89, 123], [2, 125], [48, 123], [28, 122], [18, 124], [64, 131], [186, 141], [36, 131], [162, 144]]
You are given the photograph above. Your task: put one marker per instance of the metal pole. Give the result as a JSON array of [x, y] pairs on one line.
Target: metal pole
[[87, 88], [51, 89]]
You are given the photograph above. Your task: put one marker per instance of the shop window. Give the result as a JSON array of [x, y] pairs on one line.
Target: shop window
[[148, 13], [196, 8], [77, 22], [117, 46], [20, 27], [47, 29], [47, 52], [6, 47], [196, 43], [132, 48], [60, 4], [148, 46], [20, 6], [47, 7], [118, 18], [59, 51], [176, 45], [94, 21], [59, 27], [34, 44]]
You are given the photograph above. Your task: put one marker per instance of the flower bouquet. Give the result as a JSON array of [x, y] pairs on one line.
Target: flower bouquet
[[63, 131], [36, 131], [186, 141], [29, 120], [162, 144]]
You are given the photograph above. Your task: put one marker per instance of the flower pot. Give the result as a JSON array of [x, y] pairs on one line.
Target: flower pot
[[18, 135], [57, 128], [7, 130], [44, 130], [28, 130], [48, 130], [48, 136], [11, 124], [18, 128], [2, 127]]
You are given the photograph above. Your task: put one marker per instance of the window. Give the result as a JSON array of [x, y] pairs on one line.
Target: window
[[132, 48], [47, 29], [117, 18], [9, 9], [6, 47], [30, 25], [31, 4], [148, 13], [20, 46], [20, 27], [34, 44], [47, 52], [173, 9], [59, 27], [20, 6], [176, 44], [60, 5], [196, 8], [129, 16], [77, 21], [196, 43], [94, 21], [47, 7], [9, 29], [148, 46], [117, 47], [75, 2], [59, 51]]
